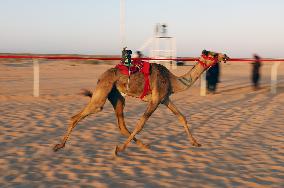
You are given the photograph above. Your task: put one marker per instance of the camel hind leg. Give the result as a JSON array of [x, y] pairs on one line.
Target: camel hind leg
[[94, 106], [75, 119], [118, 103]]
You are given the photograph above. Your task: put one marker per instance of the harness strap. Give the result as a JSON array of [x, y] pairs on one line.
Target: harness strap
[[203, 64], [146, 71]]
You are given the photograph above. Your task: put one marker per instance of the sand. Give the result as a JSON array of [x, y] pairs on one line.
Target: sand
[[241, 132]]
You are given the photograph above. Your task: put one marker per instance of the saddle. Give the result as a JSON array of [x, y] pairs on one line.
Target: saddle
[[137, 65]]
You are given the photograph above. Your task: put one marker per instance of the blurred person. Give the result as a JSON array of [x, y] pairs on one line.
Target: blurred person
[[212, 78], [256, 71], [139, 54], [138, 61]]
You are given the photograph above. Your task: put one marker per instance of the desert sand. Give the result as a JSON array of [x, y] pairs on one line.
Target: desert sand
[[241, 132]]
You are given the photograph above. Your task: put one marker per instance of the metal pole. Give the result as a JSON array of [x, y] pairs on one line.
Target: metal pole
[[274, 77], [203, 84], [174, 53], [36, 77], [122, 24]]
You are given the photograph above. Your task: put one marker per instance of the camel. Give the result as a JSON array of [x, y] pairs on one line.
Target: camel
[[112, 84]]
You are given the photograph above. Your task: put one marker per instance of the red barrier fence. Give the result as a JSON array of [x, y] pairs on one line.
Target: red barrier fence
[[202, 85], [118, 58]]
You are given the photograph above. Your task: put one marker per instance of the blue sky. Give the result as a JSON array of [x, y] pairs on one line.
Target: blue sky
[[236, 27]]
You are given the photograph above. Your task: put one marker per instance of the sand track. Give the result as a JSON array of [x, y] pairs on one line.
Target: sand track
[[241, 132]]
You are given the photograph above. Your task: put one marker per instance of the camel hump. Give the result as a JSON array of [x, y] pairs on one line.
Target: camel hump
[[108, 78], [109, 75]]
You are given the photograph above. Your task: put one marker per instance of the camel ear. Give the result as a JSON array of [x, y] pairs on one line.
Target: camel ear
[[129, 52], [205, 52]]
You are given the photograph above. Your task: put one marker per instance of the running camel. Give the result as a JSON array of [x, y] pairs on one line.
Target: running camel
[[112, 84]]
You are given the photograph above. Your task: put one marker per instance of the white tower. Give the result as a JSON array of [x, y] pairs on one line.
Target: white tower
[[161, 46], [164, 46]]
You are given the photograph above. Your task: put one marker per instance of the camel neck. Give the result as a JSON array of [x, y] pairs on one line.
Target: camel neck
[[187, 80]]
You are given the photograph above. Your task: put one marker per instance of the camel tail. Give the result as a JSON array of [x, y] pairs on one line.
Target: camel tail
[[87, 93]]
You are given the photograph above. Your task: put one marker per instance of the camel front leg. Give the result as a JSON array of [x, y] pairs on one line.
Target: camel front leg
[[183, 121], [139, 126]]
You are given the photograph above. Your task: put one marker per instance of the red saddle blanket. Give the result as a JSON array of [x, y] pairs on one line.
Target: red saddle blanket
[[138, 66]]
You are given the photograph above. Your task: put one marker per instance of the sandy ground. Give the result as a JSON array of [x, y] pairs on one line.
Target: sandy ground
[[241, 132]]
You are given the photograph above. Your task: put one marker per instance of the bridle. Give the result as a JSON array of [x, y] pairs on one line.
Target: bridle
[[207, 58]]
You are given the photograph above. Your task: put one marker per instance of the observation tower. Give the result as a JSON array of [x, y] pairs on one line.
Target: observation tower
[[161, 46]]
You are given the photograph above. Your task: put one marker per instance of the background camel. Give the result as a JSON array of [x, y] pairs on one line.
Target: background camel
[[162, 83]]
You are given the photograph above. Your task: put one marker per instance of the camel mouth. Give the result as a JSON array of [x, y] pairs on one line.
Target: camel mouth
[[226, 58]]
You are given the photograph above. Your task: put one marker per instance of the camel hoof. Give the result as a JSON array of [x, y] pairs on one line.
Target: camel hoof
[[146, 146], [58, 147], [196, 144], [143, 146], [116, 150]]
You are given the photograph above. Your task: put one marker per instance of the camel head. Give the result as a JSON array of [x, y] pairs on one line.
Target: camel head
[[209, 58]]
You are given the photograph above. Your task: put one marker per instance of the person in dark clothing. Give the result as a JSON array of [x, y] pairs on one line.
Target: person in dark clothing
[[139, 54], [256, 71], [212, 78]]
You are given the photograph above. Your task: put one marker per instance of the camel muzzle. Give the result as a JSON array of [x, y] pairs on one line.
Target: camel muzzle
[[226, 58]]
